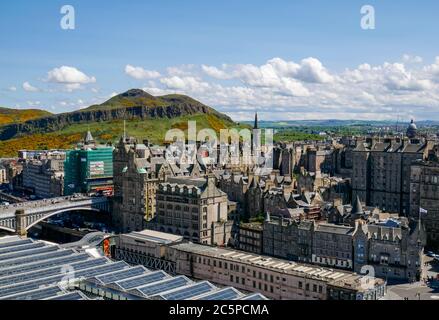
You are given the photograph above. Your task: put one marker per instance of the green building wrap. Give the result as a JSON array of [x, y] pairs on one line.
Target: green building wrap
[[88, 171]]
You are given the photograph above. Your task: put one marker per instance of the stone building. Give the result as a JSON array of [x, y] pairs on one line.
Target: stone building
[[275, 278], [424, 187], [332, 245], [235, 185], [44, 176], [137, 173], [14, 170], [320, 161], [250, 237], [381, 171], [194, 208], [359, 238], [284, 159], [254, 198], [392, 246], [288, 238]]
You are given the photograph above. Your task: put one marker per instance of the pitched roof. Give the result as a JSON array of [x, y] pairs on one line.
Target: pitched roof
[[357, 207]]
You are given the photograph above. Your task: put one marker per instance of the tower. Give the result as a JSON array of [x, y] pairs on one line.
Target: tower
[[412, 130], [256, 121]]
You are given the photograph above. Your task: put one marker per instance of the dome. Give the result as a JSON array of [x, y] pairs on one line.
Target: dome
[[412, 130]]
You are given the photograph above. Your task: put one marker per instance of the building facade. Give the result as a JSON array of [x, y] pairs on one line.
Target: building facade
[[381, 171], [424, 187], [44, 178], [194, 208], [250, 237], [89, 169], [390, 248], [135, 182], [274, 278], [288, 238]]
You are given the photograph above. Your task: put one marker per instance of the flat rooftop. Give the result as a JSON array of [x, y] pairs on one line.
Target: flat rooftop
[[35, 270], [154, 236], [350, 279]]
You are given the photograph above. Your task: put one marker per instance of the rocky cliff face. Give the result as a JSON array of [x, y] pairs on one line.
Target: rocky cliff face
[[54, 123]]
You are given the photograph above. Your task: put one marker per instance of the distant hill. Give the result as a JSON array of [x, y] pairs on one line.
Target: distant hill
[[147, 117], [8, 116], [335, 122]]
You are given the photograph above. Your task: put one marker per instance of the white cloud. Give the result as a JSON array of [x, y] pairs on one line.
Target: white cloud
[[69, 75], [12, 88], [309, 70], [407, 58], [398, 78], [139, 73], [29, 88], [183, 70], [312, 70], [285, 89], [185, 83], [216, 73]]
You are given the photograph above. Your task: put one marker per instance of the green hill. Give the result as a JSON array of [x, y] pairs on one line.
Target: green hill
[[147, 117], [8, 116]]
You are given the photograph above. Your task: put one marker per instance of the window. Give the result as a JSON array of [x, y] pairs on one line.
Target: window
[[307, 287], [300, 285], [231, 278]]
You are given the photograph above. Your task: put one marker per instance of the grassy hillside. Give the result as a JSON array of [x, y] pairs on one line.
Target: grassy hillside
[[137, 97], [154, 130], [16, 115], [105, 122]]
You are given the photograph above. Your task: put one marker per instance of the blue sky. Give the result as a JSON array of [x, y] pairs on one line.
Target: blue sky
[[314, 42]]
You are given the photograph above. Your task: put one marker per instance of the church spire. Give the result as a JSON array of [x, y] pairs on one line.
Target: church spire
[[357, 208], [256, 121], [88, 138]]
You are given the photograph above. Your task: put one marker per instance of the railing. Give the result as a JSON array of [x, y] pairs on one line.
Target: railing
[[31, 207]]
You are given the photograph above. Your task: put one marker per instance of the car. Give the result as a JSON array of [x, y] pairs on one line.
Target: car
[[430, 254]]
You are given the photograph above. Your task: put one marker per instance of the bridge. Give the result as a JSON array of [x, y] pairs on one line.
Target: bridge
[[10, 198], [20, 217]]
